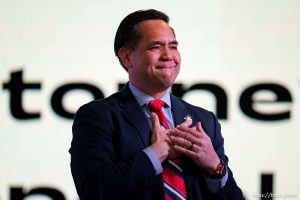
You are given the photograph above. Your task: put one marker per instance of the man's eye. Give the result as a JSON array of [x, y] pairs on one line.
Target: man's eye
[[173, 47], [154, 47]]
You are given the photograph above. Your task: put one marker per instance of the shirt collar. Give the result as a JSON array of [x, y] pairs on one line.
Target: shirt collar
[[143, 98]]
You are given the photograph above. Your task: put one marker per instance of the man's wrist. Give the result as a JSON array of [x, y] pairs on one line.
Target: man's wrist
[[154, 159], [160, 152], [219, 172]]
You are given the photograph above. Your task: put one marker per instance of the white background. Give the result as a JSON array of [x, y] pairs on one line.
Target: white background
[[231, 43]]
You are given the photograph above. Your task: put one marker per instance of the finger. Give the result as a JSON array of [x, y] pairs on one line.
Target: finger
[[199, 127], [191, 131], [196, 148], [187, 123], [187, 152], [185, 136], [181, 142]]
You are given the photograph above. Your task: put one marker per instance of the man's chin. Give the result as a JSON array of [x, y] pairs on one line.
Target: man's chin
[[168, 82], [165, 85]]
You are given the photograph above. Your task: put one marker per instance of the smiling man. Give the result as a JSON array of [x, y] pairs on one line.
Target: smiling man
[[154, 63], [143, 142]]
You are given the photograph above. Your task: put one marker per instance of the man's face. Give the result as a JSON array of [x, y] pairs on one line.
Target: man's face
[[155, 61]]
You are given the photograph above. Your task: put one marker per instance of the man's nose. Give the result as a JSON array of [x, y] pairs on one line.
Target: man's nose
[[166, 54]]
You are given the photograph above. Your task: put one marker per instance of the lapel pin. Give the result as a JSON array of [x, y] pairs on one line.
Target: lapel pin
[[187, 118]]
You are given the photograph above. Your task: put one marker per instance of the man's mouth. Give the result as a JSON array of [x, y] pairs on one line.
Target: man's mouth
[[164, 67]]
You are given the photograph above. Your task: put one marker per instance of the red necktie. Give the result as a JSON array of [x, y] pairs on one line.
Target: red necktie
[[174, 186]]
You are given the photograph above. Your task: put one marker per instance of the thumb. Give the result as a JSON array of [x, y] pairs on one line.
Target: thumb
[[155, 121]]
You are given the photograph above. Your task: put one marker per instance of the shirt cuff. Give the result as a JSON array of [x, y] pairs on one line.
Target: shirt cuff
[[216, 185], [154, 160]]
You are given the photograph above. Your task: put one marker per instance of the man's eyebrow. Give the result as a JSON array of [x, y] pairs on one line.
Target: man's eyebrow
[[174, 42]]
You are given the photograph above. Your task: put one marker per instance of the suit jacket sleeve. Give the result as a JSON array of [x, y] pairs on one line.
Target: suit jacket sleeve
[[97, 171], [230, 190]]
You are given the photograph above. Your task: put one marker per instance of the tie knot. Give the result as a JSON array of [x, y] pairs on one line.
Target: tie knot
[[156, 104]]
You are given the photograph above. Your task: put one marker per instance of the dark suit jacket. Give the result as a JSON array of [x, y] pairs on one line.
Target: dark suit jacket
[[107, 161]]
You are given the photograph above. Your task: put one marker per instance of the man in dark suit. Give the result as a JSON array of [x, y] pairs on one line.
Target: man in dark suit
[[144, 143]]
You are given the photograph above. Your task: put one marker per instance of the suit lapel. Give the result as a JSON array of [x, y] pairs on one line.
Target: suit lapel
[[180, 111], [133, 113]]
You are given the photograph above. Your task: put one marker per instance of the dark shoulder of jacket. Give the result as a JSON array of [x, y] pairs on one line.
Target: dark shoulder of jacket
[[193, 108], [100, 108]]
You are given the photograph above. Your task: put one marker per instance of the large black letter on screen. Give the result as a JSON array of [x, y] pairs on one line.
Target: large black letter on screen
[[17, 193], [16, 86], [247, 102], [217, 91]]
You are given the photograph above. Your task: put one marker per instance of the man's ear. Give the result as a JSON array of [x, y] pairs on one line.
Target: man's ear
[[125, 57]]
